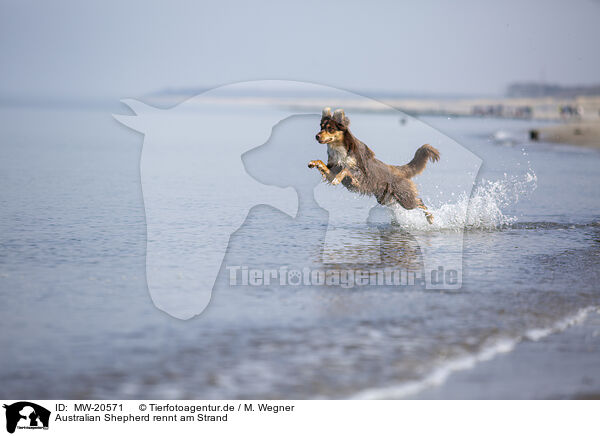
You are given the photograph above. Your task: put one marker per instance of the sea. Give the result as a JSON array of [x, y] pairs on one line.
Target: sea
[[308, 290]]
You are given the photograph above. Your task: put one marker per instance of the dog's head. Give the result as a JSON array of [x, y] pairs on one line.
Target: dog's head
[[333, 127]]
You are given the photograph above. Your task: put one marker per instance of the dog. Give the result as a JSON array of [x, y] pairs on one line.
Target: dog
[[352, 163]]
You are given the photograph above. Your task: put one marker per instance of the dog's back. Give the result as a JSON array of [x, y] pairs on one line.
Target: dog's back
[[389, 183]]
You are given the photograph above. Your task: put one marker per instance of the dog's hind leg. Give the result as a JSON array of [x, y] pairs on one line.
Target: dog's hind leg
[[428, 215]]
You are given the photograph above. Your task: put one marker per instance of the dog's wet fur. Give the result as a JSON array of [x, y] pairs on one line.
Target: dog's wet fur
[[352, 163]]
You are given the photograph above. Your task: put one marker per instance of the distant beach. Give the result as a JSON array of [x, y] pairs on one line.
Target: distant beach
[[584, 108], [586, 133], [573, 120]]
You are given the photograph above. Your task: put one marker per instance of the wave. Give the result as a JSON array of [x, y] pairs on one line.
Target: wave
[[509, 138], [504, 345], [552, 225]]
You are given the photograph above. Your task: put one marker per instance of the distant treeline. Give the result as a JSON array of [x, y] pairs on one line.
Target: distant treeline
[[531, 89]]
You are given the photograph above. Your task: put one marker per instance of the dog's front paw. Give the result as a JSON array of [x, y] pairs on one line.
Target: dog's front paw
[[318, 164], [335, 181]]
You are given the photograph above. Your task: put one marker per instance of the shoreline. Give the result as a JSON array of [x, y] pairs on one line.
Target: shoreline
[[570, 358], [582, 133], [528, 108], [513, 368]]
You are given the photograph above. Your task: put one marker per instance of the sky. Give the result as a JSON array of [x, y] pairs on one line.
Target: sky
[[119, 49]]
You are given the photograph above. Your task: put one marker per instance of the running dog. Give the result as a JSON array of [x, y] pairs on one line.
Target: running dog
[[352, 163]]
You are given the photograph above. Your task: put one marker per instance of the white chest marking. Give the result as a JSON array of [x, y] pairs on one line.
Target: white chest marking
[[338, 155]]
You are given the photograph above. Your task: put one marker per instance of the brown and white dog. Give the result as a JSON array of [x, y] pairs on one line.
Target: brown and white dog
[[352, 163]]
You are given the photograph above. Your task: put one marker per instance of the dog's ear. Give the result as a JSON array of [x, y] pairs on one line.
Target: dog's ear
[[326, 113], [340, 117]]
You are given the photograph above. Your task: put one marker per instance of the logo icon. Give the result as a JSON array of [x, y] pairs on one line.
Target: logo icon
[[26, 415]]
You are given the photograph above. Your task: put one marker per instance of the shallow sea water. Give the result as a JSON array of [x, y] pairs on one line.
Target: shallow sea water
[[82, 323]]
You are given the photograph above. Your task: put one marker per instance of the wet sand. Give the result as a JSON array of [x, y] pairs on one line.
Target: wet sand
[[560, 366], [585, 133]]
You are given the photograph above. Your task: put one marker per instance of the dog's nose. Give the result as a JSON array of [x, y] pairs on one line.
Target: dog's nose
[[318, 137]]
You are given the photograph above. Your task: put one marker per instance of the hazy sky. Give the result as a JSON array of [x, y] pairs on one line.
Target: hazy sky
[[114, 49]]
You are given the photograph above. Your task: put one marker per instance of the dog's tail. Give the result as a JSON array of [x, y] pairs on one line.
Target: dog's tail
[[419, 162]]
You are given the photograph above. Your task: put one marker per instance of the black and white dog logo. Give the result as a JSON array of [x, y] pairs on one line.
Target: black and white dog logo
[[26, 415]]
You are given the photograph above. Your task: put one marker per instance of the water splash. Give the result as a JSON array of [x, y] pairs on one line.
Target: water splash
[[485, 209]]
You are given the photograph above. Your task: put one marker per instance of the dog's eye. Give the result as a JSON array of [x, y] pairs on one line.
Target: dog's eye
[[330, 129]]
